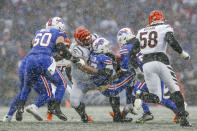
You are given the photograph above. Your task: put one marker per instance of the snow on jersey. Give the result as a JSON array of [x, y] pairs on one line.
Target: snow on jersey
[[125, 56], [76, 73], [44, 41], [152, 39], [100, 61]]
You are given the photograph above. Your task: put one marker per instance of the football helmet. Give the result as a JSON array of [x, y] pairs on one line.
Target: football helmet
[[55, 22], [124, 35], [156, 17], [82, 36], [101, 45]]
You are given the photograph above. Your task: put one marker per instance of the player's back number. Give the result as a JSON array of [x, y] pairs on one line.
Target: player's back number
[[148, 39], [42, 39]]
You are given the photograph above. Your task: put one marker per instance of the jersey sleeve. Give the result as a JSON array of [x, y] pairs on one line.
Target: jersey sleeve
[[106, 61], [77, 52], [125, 59], [168, 28]]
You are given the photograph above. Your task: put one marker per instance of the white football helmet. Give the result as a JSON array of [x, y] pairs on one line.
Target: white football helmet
[[55, 22], [101, 45], [124, 35]]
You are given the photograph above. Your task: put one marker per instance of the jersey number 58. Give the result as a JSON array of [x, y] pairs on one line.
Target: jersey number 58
[[148, 39]]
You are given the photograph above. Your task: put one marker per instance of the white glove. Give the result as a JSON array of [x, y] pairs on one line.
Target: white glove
[[185, 55], [138, 101], [138, 104], [81, 62]]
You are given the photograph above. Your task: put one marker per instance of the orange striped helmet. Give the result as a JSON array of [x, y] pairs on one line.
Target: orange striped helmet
[[82, 36], [156, 17]]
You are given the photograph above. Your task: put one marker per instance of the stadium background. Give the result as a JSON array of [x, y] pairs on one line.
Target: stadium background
[[21, 18]]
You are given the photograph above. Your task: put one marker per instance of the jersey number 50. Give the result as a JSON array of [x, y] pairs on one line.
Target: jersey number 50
[[151, 40], [43, 39]]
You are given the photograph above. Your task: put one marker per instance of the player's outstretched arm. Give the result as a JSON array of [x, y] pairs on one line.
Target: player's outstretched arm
[[175, 45]]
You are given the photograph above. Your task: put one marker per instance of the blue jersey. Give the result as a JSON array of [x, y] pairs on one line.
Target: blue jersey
[[44, 41], [125, 55], [100, 61]]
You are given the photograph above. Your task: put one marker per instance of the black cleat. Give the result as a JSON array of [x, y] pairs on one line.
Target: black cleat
[[20, 110], [84, 118], [19, 116], [183, 119], [185, 123], [54, 108], [61, 116]]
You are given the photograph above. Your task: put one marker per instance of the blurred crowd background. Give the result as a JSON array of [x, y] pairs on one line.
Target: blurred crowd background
[[21, 18]]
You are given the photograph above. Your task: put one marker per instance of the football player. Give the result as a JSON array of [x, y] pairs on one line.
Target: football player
[[97, 60], [147, 115], [80, 79], [156, 66], [40, 62]]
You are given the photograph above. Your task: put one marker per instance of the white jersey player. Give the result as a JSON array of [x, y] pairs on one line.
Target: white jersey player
[[153, 43], [81, 80]]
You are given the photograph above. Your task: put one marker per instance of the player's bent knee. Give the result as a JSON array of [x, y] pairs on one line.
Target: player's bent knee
[[74, 102]]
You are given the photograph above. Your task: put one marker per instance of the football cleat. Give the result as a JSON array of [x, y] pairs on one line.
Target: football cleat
[[176, 119], [145, 117], [90, 119], [7, 118], [33, 109], [49, 117], [20, 110], [183, 119], [184, 122], [112, 113], [19, 115], [54, 108], [84, 117], [120, 118]]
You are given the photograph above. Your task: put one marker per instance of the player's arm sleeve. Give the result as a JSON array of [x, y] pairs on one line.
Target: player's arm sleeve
[[173, 42], [108, 70], [134, 51]]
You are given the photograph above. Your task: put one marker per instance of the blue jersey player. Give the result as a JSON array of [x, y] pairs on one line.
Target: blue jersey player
[[42, 87], [40, 62], [127, 42], [100, 60]]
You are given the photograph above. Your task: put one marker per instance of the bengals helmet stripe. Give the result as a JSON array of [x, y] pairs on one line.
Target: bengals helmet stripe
[[156, 17], [81, 34]]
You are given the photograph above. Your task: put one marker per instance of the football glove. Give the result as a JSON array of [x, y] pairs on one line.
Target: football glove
[[185, 55]]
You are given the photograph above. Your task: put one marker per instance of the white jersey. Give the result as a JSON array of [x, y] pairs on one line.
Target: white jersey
[[63, 63], [152, 39], [76, 73]]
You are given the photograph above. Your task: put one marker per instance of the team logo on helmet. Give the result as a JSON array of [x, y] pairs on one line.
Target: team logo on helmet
[[156, 17]]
